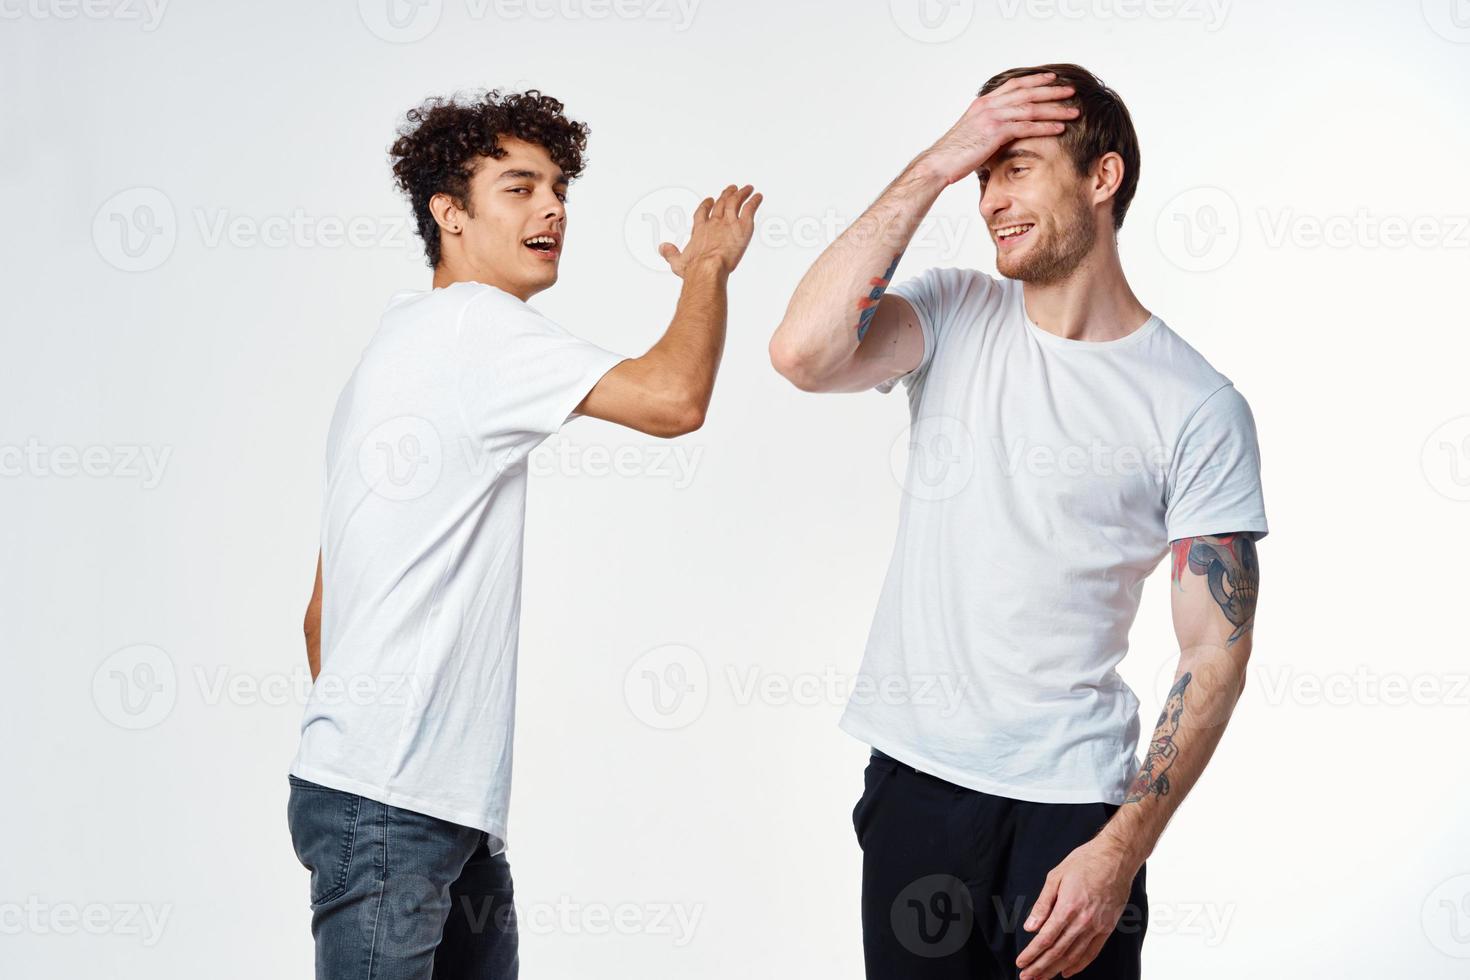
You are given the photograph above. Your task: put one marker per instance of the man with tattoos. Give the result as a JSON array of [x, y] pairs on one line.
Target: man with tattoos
[[400, 789], [1062, 440]]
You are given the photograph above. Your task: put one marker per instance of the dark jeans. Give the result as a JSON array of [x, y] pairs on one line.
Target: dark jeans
[[397, 895], [950, 874]]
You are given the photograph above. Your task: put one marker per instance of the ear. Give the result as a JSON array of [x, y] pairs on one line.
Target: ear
[[1107, 177], [449, 215]]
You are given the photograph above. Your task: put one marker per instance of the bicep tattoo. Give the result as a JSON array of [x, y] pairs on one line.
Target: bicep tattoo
[[1228, 562]]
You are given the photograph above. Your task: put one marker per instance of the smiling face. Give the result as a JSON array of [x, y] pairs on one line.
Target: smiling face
[[1038, 210], [512, 233]]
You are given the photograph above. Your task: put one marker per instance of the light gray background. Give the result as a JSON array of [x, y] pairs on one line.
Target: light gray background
[[173, 179]]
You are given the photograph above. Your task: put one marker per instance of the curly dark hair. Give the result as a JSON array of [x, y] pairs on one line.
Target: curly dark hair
[[438, 149]]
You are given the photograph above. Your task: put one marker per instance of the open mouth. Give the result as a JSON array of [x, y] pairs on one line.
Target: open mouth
[[545, 246], [1010, 234]]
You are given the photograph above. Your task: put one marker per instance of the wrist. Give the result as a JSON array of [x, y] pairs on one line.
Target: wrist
[[707, 267], [1128, 849], [925, 171]]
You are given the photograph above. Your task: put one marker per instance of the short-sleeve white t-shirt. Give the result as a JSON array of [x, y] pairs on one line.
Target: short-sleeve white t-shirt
[[422, 521], [1046, 478]]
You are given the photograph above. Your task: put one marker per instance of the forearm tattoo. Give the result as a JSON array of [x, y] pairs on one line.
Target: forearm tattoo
[[1153, 778], [868, 305], [1226, 559]]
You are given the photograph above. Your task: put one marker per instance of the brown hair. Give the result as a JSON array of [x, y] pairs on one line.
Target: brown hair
[[1103, 126], [444, 139]]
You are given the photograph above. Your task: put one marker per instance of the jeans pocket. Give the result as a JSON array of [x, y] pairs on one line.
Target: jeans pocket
[[879, 769], [323, 825]]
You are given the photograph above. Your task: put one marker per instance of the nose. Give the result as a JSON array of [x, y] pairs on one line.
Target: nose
[[993, 200]]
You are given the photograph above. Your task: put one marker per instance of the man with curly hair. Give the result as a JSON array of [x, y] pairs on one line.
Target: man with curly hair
[[400, 788]]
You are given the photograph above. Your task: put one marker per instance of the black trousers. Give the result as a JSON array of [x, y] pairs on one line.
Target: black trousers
[[950, 874]]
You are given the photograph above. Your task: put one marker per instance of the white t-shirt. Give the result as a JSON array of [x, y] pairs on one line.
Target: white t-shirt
[[422, 521], [1045, 479]]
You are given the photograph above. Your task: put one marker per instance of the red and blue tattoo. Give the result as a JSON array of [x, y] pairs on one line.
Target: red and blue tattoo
[[868, 305], [1224, 559]]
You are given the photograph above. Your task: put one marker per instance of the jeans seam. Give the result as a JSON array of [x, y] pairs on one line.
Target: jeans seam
[[378, 905], [344, 863]]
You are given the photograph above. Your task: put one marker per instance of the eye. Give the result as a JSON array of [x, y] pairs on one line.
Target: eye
[[519, 190], [1017, 171], [561, 196]]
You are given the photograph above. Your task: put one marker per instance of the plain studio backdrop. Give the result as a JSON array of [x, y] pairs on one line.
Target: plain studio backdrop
[[201, 232]]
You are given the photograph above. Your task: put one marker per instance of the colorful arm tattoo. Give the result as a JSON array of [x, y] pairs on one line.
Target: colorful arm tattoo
[[1223, 559], [1153, 778], [868, 305]]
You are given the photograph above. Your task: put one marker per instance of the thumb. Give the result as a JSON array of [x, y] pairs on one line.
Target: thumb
[[1043, 906], [669, 252]]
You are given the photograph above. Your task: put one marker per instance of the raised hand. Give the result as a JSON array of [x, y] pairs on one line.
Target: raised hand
[[722, 229], [1023, 107]]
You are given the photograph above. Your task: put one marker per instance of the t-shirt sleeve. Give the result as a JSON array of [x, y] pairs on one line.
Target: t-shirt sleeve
[[1214, 479], [520, 374], [935, 295]]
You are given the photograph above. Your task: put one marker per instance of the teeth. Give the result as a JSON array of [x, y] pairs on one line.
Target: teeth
[[541, 240], [1010, 231]]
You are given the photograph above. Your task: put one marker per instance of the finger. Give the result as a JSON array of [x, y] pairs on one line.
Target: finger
[[1044, 902], [1045, 93], [1027, 130], [1071, 942], [1038, 110], [1029, 81], [719, 209], [1088, 954], [738, 201], [670, 252], [701, 211], [751, 206], [1042, 943]]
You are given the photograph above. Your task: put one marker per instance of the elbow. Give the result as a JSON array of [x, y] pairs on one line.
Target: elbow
[[791, 364], [684, 419], [679, 415]]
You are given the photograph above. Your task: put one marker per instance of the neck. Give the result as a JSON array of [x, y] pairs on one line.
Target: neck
[[1093, 303], [452, 269]]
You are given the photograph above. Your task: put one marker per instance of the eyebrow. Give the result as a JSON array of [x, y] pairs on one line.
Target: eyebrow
[[1010, 153], [561, 178]]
